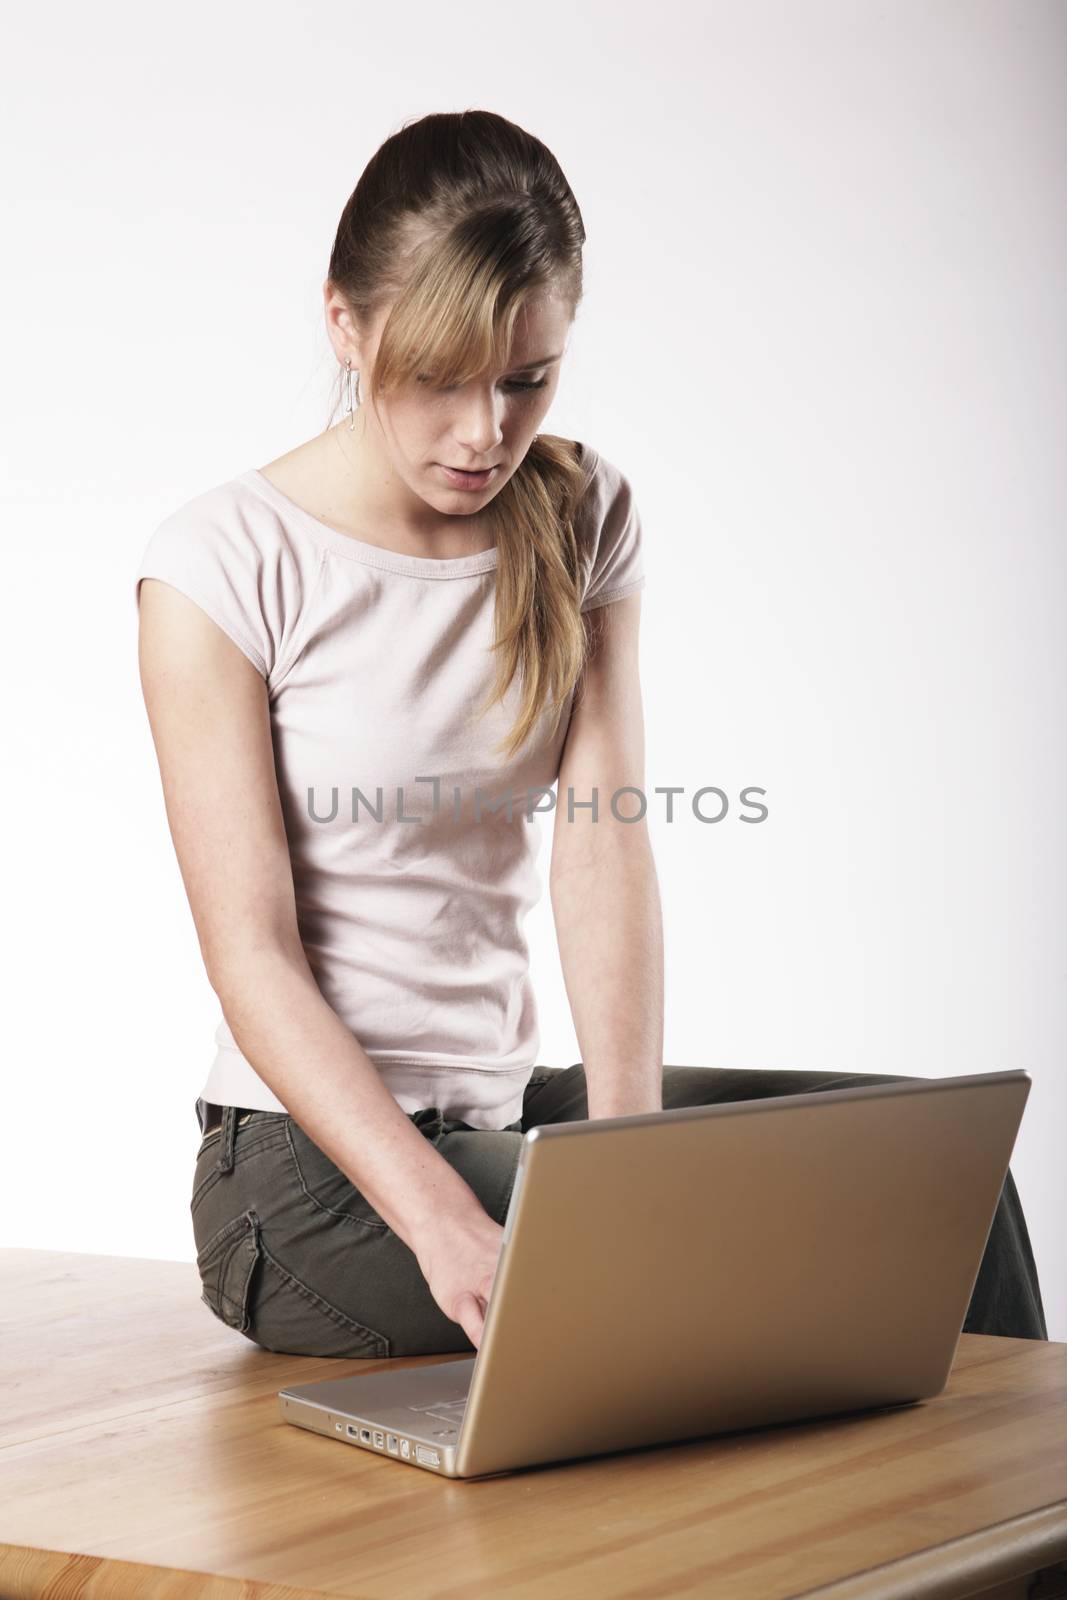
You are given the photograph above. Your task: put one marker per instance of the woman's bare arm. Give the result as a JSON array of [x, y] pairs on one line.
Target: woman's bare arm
[[208, 711], [602, 875]]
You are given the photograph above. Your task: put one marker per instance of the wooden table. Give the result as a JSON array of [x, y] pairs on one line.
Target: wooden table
[[143, 1454]]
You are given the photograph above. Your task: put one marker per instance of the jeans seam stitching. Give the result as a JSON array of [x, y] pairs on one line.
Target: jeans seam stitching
[[350, 1324], [212, 1176], [330, 1211]]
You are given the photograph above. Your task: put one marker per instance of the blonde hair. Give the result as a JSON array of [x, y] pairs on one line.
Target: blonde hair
[[460, 219]]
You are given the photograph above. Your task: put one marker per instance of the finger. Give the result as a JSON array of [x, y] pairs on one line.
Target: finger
[[470, 1315]]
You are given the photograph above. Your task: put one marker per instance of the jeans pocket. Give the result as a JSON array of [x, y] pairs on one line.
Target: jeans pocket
[[273, 1307], [226, 1264]]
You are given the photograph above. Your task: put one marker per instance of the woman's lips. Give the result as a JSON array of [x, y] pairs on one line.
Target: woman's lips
[[467, 480]]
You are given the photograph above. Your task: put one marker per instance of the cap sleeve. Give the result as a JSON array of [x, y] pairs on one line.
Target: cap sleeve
[[235, 567], [609, 526]]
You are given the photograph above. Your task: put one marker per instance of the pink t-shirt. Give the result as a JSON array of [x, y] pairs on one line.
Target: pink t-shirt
[[375, 664]]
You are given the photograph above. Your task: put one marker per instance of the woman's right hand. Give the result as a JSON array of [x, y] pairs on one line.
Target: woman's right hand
[[458, 1257]]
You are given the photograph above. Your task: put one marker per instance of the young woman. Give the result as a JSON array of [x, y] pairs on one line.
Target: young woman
[[365, 666]]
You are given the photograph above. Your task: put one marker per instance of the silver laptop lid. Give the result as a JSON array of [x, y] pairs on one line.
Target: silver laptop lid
[[718, 1267]]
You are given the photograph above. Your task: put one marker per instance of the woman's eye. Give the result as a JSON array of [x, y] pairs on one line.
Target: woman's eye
[[510, 383]]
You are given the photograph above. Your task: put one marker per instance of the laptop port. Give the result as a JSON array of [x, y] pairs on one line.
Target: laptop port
[[379, 1440], [428, 1457], [391, 1444], [364, 1434], [353, 1431]]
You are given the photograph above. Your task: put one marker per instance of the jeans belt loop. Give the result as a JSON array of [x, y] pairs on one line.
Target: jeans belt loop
[[226, 1139]]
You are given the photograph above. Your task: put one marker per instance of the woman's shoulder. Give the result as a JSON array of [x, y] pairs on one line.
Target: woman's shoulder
[[608, 527], [604, 485], [228, 550], [233, 520], [601, 475]]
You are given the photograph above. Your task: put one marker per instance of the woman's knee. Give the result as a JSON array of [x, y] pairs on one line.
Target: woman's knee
[[687, 1086]]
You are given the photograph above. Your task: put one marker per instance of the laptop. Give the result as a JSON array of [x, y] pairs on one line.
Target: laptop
[[706, 1270]]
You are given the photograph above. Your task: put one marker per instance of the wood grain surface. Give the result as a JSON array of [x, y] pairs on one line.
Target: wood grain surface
[[142, 1454]]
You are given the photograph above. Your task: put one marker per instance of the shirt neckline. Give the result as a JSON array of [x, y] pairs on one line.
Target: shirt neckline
[[371, 555]]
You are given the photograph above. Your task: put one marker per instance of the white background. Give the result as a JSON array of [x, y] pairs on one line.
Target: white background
[[823, 335]]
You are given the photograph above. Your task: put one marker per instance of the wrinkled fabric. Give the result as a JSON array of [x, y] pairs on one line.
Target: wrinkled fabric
[[411, 889]]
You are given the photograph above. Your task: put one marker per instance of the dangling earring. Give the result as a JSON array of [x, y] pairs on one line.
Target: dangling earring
[[348, 385]]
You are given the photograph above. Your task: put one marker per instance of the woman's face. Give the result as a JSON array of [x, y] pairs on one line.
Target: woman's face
[[487, 423]]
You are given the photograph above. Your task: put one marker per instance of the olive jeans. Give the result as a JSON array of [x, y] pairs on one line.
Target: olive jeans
[[293, 1256]]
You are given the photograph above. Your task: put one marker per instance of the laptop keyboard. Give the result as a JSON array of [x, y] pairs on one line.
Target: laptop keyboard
[[446, 1411]]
